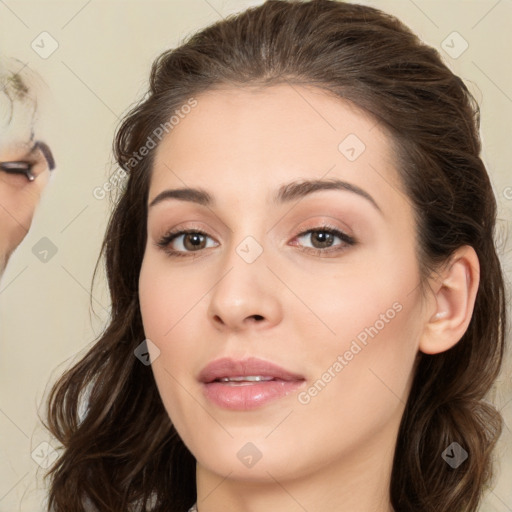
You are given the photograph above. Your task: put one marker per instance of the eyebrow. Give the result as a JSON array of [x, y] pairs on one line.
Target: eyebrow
[[286, 193], [45, 150]]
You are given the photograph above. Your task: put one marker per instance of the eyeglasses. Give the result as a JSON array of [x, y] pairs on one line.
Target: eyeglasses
[[18, 168], [26, 168]]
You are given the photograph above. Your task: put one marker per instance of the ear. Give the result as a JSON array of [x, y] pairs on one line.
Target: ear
[[454, 297]]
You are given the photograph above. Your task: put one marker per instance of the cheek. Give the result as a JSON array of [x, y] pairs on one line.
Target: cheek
[[15, 218], [19, 198], [368, 338], [370, 300], [173, 306], [166, 298]]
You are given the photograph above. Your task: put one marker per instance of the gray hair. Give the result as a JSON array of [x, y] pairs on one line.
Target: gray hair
[[18, 95]]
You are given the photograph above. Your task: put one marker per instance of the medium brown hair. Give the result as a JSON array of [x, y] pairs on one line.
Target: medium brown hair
[[124, 453]]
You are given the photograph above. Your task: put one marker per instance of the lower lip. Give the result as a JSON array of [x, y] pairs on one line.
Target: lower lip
[[251, 395]]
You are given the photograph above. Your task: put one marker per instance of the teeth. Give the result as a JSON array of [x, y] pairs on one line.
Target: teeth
[[250, 378]]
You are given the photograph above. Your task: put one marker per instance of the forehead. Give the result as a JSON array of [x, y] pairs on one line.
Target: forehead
[[17, 121], [20, 102], [239, 136]]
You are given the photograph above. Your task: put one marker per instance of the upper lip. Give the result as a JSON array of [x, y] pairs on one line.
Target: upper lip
[[227, 367]]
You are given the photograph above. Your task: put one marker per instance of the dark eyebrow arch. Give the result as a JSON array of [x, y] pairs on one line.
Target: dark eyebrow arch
[[45, 150], [299, 189], [286, 193]]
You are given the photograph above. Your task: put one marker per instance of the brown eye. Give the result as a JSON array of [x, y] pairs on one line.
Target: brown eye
[[192, 241], [324, 237], [184, 242]]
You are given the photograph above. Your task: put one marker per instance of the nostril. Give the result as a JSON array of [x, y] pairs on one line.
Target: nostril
[[257, 317]]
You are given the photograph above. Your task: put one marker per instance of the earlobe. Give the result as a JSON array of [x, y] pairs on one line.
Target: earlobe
[[455, 292]]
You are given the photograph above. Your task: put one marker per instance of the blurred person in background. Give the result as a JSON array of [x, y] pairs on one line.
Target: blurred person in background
[[25, 159]]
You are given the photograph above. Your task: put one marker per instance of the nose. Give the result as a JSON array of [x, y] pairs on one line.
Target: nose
[[247, 296]]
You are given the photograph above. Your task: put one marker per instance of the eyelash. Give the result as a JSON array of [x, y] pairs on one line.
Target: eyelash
[[164, 242]]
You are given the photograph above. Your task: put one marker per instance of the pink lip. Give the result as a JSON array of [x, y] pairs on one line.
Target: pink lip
[[244, 396]]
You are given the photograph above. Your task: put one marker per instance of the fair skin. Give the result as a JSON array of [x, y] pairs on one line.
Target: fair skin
[[335, 452], [19, 197]]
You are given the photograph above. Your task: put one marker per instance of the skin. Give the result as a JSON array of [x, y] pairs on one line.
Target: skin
[[19, 196], [335, 452]]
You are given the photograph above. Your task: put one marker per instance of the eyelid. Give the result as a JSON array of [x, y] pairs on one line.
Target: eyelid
[[323, 226], [184, 227]]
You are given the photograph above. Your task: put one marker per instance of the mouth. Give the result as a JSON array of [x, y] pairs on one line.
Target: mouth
[[245, 380], [251, 369], [247, 384]]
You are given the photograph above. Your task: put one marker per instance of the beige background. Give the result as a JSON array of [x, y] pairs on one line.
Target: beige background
[[100, 67]]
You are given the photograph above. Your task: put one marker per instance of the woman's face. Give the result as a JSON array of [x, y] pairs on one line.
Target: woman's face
[[342, 313]]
